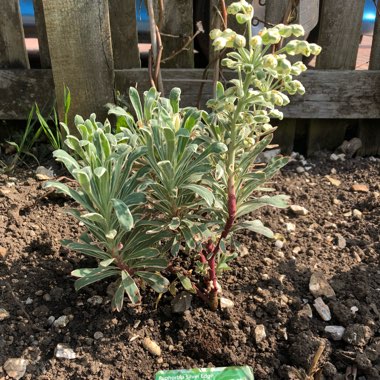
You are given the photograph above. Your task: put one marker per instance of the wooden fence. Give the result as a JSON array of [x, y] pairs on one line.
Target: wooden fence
[[91, 46]]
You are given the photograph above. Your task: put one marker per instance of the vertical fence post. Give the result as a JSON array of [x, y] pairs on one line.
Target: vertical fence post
[[79, 37], [176, 26], [12, 43], [369, 130], [339, 36], [41, 33], [124, 34]]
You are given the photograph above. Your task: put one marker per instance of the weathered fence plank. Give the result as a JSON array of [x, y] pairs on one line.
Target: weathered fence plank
[[79, 38], [330, 94], [339, 36], [12, 44], [41, 33], [369, 130], [20, 89], [175, 22], [124, 34]]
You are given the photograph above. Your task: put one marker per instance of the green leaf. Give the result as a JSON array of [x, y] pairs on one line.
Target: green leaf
[[94, 217], [203, 192], [136, 103], [123, 214], [279, 201], [111, 234], [106, 263], [91, 275], [175, 97], [62, 156], [186, 282], [130, 287], [118, 298], [143, 253], [100, 171], [151, 264], [159, 283], [256, 226], [86, 249], [174, 224]]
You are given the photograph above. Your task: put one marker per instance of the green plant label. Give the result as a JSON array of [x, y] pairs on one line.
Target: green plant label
[[222, 373]]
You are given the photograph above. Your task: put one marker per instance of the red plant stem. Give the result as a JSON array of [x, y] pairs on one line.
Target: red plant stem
[[231, 204]]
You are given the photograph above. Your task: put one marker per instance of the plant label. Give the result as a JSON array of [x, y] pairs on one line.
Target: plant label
[[222, 373]]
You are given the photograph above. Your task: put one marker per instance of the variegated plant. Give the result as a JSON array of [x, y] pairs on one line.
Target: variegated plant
[[111, 211]]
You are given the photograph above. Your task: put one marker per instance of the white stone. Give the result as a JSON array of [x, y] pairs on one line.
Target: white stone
[[43, 174], [290, 227], [98, 335], [15, 367], [4, 314], [299, 210], [319, 286], [357, 214], [260, 333], [354, 309], [335, 332], [300, 170], [322, 309], [279, 244], [28, 301], [296, 250], [63, 351], [334, 157], [225, 303], [62, 321], [95, 300]]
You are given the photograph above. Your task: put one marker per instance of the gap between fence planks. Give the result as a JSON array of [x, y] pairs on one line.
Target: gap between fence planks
[[12, 44], [369, 130], [339, 36], [41, 34], [124, 34], [176, 27]]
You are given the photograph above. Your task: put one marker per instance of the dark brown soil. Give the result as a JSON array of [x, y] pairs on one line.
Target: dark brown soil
[[269, 286]]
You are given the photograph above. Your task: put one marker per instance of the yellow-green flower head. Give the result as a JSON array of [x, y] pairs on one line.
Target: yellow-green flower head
[[298, 30], [304, 48], [299, 87], [285, 30], [248, 10], [266, 127], [292, 47], [283, 67], [229, 63], [270, 36], [215, 33], [270, 61], [300, 65], [219, 43], [276, 114], [239, 41], [256, 41], [242, 18], [315, 49], [277, 99], [234, 8]]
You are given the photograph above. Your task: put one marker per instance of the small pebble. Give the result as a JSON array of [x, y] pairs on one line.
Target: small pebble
[[290, 227], [360, 188], [152, 347], [4, 314], [357, 214], [15, 367], [225, 303], [62, 351], [62, 321], [322, 309], [335, 332], [95, 300], [260, 333], [98, 335], [300, 169], [299, 210], [279, 244]]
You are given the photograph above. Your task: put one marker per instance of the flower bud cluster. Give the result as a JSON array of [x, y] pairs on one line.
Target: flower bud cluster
[[272, 36], [242, 10], [227, 39], [302, 47]]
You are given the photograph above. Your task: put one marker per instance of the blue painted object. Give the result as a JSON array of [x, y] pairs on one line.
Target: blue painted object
[[142, 18], [369, 17]]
